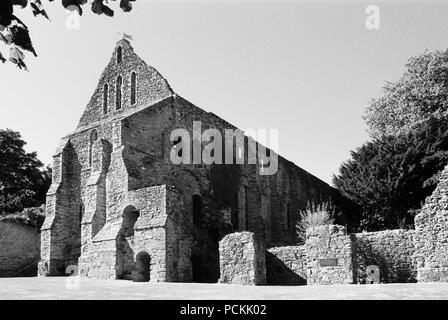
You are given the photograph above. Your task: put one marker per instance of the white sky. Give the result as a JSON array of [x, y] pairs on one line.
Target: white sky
[[307, 68]]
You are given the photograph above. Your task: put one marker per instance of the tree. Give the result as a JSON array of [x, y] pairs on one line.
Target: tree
[[421, 93], [22, 182], [15, 34], [390, 177]]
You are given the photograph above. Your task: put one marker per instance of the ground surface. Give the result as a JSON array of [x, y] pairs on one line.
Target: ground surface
[[69, 288]]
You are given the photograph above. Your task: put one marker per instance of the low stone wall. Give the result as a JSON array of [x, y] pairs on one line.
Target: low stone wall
[[329, 252], [242, 259], [391, 250], [286, 266], [19, 249], [431, 236]]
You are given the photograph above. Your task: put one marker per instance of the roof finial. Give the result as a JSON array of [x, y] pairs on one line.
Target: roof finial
[[125, 35]]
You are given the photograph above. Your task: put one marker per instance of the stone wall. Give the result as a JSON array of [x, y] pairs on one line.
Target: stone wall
[[329, 252], [19, 249], [242, 259], [286, 266], [391, 250], [346, 256], [431, 236]]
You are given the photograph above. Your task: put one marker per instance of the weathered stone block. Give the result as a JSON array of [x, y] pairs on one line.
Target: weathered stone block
[[329, 252], [242, 259]]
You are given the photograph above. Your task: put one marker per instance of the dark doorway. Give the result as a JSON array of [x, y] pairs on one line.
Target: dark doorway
[[205, 262], [142, 267]]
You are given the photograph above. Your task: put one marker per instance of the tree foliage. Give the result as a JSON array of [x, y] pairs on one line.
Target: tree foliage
[[390, 177], [22, 182], [421, 93], [15, 34]]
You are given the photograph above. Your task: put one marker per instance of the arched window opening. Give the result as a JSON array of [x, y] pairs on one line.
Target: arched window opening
[[142, 267], [119, 55], [133, 88], [93, 138], [118, 95], [105, 97], [197, 209], [130, 216]]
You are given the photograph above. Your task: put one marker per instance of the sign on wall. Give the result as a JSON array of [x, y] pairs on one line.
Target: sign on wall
[[328, 262]]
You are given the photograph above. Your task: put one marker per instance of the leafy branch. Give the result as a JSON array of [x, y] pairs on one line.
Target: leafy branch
[[15, 34]]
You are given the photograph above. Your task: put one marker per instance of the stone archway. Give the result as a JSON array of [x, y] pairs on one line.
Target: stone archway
[[142, 271]]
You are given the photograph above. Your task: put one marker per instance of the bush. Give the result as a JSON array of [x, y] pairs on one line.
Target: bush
[[29, 216], [314, 216]]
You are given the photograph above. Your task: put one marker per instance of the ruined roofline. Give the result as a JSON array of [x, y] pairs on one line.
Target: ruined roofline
[[228, 125], [174, 97]]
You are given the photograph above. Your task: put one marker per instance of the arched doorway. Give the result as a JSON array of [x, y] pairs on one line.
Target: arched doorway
[[142, 269], [125, 253]]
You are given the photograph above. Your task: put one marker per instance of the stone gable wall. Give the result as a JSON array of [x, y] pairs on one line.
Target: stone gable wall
[[150, 86]]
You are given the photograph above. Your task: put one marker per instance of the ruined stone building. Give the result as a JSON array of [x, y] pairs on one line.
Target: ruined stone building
[[119, 208]]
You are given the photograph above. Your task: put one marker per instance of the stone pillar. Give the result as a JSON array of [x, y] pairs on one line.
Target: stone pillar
[[94, 200], [55, 229], [242, 259], [431, 235], [329, 252]]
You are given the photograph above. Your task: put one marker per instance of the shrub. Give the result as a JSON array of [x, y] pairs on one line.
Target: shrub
[[314, 216]]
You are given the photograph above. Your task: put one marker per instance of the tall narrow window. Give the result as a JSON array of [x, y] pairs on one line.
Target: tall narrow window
[[119, 54], [93, 138], [235, 212], [133, 81], [105, 97], [246, 206], [118, 93], [197, 208], [288, 216]]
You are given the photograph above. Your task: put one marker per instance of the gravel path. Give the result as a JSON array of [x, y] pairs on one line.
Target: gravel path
[[74, 288]]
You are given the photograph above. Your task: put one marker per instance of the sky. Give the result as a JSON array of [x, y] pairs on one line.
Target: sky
[[306, 68]]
